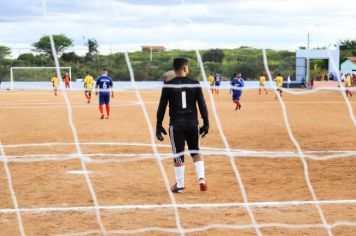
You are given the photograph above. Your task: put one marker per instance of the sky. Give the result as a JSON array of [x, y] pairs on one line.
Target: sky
[[178, 24]]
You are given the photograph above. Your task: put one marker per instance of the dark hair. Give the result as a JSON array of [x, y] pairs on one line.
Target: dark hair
[[278, 74], [178, 63], [104, 69]]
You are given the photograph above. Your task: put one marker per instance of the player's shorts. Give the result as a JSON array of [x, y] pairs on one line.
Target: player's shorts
[[262, 85], [104, 98], [236, 95], [55, 88], [181, 134], [217, 83], [88, 89]]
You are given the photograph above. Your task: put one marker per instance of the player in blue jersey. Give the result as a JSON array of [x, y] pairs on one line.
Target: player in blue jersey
[[237, 85], [217, 79], [104, 84]]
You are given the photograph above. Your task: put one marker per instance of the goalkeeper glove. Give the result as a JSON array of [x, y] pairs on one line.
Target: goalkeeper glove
[[204, 130], [159, 131]]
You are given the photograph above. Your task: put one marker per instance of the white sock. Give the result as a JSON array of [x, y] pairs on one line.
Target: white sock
[[199, 169], [179, 171]]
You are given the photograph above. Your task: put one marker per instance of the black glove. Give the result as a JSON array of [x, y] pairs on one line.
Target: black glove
[[204, 130], [159, 131]]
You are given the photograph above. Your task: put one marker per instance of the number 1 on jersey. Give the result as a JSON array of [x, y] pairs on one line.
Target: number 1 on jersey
[[184, 99]]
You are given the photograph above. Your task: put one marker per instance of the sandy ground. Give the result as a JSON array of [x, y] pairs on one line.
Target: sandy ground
[[125, 174]]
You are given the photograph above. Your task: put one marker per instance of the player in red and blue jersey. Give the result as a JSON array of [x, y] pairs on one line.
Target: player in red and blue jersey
[[104, 84], [237, 85]]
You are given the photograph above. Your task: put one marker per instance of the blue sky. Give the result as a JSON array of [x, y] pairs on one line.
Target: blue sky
[[127, 24]]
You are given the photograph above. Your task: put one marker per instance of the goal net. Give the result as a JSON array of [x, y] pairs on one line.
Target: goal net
[[35, 77]]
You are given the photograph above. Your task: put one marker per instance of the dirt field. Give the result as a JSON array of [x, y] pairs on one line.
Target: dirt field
[[126, 177]]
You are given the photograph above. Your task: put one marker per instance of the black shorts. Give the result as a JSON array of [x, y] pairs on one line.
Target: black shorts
[[181, 134], [104, 98]]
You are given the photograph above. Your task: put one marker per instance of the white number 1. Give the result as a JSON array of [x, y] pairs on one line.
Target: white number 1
[[184, 100]]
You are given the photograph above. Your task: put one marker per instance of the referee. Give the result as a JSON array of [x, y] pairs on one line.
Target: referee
[[183, 93]]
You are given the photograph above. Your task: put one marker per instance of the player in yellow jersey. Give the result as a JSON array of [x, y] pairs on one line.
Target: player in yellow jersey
[[88, 86], [262, 84], [279, 81], [55, 82], [211, 82], [348, 85]]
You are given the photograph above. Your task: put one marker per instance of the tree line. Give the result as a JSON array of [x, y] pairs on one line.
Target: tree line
[[247, 60]]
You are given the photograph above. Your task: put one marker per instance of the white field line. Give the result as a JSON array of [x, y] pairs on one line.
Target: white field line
[[134, 157], [73, 128], [214, 226], [12, 191], [205, 86], [63, 106], [276, 204], [139, 144], [296, 144], [83, 143], [227, 147], [154, 148], [57, 105], [84, 103]]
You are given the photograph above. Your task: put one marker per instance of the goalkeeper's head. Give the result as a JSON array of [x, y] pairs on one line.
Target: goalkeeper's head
[[180, 66]]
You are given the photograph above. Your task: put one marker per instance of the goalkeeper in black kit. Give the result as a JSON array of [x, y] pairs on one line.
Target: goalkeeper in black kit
[[183, 94]]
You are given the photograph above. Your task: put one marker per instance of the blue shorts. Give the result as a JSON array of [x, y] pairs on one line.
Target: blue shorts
[[236, 95], [104, 98], [217, 83]]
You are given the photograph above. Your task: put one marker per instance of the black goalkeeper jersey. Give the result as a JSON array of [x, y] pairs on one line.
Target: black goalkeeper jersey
[[182, 94]]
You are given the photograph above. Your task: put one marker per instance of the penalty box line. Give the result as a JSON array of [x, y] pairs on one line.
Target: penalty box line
[[275, 204], [214, 226], [136, 157]]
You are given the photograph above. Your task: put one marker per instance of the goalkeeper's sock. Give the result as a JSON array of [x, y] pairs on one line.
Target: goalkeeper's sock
[[107, 110], [101, 109], [199, 169], [179, 172]]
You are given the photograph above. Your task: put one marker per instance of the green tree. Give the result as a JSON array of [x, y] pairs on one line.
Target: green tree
[[4, 51], [93, 46], [214, 55], [61, 43], [70, 57], [347, 44], [27, 57]]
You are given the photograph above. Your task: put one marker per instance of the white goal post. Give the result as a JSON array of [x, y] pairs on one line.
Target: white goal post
[[34, 68]]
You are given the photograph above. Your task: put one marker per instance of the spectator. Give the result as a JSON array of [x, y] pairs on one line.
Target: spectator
[[331, 77], [353, 80]]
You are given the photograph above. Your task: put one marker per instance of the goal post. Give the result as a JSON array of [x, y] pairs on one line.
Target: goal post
[[48, 69]]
